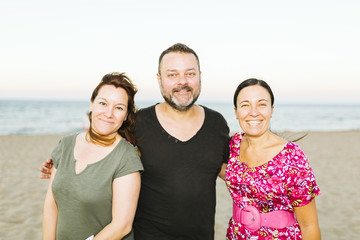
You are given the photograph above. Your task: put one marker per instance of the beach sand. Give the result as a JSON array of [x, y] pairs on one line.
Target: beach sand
[[334, 157]]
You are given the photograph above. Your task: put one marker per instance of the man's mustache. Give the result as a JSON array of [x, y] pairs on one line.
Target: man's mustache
[[182, 88]]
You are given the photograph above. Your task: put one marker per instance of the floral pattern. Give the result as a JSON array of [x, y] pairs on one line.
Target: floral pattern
[[284, 182]]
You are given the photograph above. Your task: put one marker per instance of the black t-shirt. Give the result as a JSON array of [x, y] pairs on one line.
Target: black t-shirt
[[177, 197]]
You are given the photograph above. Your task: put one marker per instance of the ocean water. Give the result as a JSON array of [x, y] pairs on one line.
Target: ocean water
[[33, 117]]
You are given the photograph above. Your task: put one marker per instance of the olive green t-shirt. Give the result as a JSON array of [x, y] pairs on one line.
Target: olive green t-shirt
[[84, 200]]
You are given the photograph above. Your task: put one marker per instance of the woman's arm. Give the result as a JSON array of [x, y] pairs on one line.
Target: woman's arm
[[126, 191], [308, 220], [50, 212]]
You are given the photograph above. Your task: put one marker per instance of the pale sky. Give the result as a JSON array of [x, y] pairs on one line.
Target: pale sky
[[308, 51]]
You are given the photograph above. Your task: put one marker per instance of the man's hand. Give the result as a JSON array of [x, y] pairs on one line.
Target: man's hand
[[46, 170]]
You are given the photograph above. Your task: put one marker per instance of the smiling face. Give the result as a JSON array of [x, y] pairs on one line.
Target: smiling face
[[109, 110], [179, 80], [254, 110]]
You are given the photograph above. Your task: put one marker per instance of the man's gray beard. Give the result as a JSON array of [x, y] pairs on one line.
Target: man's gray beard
[[175, 105], [178, 107]]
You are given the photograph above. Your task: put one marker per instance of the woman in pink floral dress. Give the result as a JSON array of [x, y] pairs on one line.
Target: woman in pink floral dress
[[270, 180]]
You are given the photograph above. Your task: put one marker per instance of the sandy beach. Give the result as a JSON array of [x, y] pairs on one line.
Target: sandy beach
[[334, 157]]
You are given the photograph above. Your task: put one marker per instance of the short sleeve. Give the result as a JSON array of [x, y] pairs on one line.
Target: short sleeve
[[130, 162], [300, 180], [234, 145], [57, 153], [225, 135], [226, 151]]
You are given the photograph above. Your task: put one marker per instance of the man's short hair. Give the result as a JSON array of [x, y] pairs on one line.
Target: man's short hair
[[178, 48]]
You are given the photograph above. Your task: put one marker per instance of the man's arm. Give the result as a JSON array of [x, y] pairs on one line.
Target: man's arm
[[222, 171], [46, 169]]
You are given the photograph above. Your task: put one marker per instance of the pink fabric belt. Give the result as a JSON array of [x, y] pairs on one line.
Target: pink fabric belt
[[252, 219]]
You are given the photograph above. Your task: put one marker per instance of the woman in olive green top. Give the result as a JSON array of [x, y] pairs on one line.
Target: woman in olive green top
[[94, 187]]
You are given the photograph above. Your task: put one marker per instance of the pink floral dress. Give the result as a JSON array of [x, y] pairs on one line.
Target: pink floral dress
[[285, 182]]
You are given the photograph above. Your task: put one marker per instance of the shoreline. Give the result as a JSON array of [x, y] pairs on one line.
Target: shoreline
[[333, 155]]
